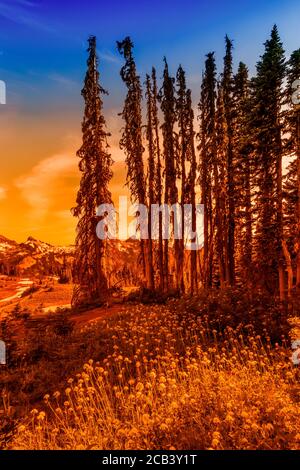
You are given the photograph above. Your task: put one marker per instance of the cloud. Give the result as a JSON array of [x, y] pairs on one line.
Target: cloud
[[108, 56], [2, 193], [46, 191], [49, 184], [63, 80], [49, 189], [16, 11]]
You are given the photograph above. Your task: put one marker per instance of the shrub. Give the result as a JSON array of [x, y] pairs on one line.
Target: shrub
[[239, 309]]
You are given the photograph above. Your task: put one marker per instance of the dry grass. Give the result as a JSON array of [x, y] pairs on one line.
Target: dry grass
[[169, 382], [48, 293], [8, 286]]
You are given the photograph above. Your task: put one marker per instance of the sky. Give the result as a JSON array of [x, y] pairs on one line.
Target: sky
[[43, 61]]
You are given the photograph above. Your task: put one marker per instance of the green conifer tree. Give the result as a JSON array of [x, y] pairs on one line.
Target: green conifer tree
[[267, 129]]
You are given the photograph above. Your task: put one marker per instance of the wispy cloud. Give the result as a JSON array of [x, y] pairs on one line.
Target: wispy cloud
[[23, 12], [47, 182], [63, 80], [108, 56], [2, 193]]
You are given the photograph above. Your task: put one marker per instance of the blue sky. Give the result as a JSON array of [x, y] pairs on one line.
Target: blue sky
[[43, 62], [43, 43]]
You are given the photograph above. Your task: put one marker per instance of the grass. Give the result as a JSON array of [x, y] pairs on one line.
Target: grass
[[161, 377], [42, 294]]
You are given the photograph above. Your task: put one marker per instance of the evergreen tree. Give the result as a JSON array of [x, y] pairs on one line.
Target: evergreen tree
[[132, 143], [227, 85], [243, 174], [207, 148], [220, 186], [152, 152], [167, 99], [158, 189], [267, 124], [190, 187], [95, 165], [183, 119], [292, 179]]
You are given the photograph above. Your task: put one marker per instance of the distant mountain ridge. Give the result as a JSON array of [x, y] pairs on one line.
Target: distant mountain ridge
[[37, 258], [34, 257]]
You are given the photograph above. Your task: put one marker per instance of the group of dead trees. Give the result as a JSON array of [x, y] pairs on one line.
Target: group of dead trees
[[240, 158]]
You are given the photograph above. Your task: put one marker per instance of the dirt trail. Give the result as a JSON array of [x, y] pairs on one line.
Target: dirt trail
[[99, 313]]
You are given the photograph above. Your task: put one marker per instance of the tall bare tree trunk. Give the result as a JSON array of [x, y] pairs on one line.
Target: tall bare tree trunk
[[281, 271], [289, 267]]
